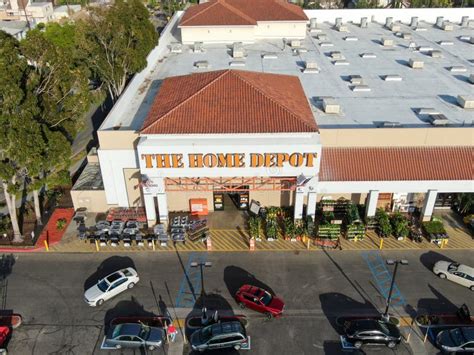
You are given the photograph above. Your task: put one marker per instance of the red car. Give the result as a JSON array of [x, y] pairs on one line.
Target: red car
[[259, 300]]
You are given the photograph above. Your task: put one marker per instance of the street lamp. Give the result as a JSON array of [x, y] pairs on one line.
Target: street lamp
[[201, 265], [389, 298]]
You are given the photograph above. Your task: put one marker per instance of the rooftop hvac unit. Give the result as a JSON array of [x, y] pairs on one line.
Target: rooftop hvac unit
[[406, 35], [322, 37], [295, 43], [416, 63], [466, 102], [198, 47], [342, 28], [457, 69], [392, 77], [436, 54], [438, 120], [386, 42], [355, 79], [331, 106], [176, 48], [237, 50], [395, 27], [447, 26], [336, 55], [201, 64], [311, 68]]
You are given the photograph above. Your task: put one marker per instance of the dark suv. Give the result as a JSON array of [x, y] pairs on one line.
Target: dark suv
[[371, 331], [219, 336]]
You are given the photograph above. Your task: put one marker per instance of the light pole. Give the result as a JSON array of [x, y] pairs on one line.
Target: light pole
[[201, 265], [389, 298]]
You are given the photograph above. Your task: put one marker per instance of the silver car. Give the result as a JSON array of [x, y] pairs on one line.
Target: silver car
[[134, 335], [459, 273], [219, 336]]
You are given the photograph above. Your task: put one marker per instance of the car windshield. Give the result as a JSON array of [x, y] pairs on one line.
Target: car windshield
[[266, 298], [144, 332], [205, 334], [103, 285], [116, 331], [453, 267]]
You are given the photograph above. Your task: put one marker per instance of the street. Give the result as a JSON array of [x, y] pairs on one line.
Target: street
[[47, 290]]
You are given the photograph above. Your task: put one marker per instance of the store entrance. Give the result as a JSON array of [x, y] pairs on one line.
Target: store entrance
[[232, 200]]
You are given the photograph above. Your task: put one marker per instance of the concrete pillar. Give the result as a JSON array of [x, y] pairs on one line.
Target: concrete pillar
[[371, 206], [150, 209], [414, 21], [311, 208], [162, 207], [299, 200], [428, 205], [363, 22]]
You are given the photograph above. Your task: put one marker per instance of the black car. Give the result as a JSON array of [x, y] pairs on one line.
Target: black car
[[371, 331], [457, 340], [219, 336]]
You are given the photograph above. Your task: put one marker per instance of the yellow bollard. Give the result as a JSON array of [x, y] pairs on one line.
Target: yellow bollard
[[46, 245], [381, 243], [445, 241], [355, 239], [97, 245], [153, 244], [307, 244]]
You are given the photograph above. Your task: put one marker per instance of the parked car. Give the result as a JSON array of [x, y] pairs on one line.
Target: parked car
[[371, 331], [111, 286], [459, 273], [457, 340], [219, 336], [134, 335], [259, 300]]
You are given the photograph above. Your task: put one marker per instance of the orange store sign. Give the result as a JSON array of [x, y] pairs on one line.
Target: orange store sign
[[229, 160]]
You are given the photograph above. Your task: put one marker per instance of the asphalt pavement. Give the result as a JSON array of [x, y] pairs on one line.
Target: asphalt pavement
[[47, 289]]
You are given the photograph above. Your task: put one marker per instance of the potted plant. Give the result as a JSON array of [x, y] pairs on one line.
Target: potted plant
[[61, 224], [300, 229], [383, 221], [289, 228], [400, 226], [254, 227]]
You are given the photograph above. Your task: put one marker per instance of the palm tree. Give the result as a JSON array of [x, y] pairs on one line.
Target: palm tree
[[465, 202]]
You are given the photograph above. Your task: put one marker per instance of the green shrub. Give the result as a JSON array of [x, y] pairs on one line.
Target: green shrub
[[400, 226], [61, 224], [289, 227], [434, 227], [384, 226]]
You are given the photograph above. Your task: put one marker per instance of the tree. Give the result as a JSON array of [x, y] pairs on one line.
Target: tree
[[116, 42], [366, 4]]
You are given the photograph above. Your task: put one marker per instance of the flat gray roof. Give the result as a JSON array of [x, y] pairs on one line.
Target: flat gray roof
[[434, 86]]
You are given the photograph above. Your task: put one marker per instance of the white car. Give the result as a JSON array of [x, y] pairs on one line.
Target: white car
[[111, 286], [459, 273]]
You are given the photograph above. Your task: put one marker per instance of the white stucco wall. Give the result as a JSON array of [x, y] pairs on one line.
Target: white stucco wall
[[218, 34], [280, 30]]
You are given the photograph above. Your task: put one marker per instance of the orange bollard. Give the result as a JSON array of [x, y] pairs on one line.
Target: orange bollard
[[209, 243], [252, 244]]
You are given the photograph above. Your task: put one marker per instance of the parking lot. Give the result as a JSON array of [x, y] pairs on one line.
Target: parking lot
[[48, 291]]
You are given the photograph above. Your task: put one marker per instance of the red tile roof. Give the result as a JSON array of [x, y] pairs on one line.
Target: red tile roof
[[230, 101], [241, 12], [389, 164]]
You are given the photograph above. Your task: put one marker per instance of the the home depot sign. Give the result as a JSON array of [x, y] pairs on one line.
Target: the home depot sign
[[229, 160]]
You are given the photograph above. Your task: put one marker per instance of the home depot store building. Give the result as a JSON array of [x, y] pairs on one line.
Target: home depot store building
[[255, 133]]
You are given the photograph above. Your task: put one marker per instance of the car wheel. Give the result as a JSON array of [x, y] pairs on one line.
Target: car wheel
[[269, 315], [441, 275], [471, 288], [392, 345], [242, 305], [358, 344], [237, 347], [100, 302], [130, 285]]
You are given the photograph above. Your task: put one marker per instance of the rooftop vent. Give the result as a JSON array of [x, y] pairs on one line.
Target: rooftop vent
[[269, 56], [300, 50], [201, 64], [464, 38], [331, 106], [386, 42], [392, 77], [466, 102], [326, 44], [464, 21], [340, 62], [237, 63], [436, 54], [351, 38], [414, 22], [445, 43], [238, 50], [198, 47], [416, 63], [438, 119], [322, 37], [360, 88], [355, 79], [457, 69], [368, 55], [428, 111], [439, 21], [311, 68], [388, 124], [176, 48]]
